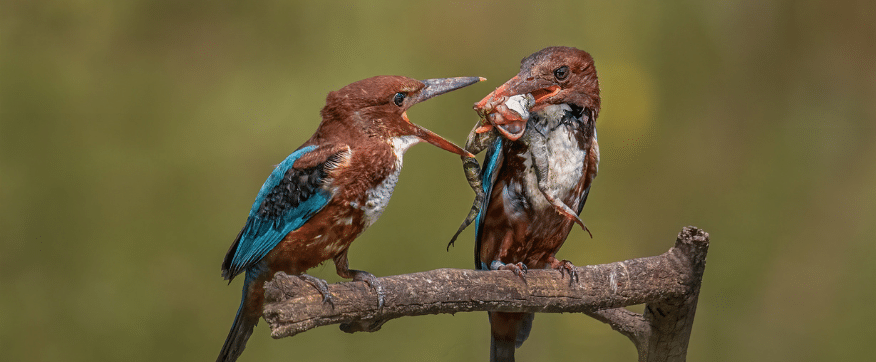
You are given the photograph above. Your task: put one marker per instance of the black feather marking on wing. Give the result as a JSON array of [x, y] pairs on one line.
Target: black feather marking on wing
[[296, 187]]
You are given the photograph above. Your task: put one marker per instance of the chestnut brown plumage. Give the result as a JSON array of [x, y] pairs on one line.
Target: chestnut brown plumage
[[539, 128], [326, 193]]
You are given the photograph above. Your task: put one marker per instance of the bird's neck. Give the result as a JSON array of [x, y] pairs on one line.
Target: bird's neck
[[374, 199]]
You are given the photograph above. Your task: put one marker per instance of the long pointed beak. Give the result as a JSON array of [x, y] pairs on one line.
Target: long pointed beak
[[517, 85], [439, 86]]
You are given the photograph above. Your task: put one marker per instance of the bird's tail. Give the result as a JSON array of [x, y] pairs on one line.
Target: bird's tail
[[241, 329], [508, 332]]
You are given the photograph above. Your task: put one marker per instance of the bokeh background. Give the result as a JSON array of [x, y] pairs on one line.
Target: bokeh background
[[134, 136]]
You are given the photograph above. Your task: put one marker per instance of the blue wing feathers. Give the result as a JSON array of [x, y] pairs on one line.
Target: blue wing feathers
[[491, 166], [267, 226], [277, 176]]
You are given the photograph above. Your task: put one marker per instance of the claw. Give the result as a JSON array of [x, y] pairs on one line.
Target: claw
[[321, 286], [518, 268], [565, 267], [363, 276]]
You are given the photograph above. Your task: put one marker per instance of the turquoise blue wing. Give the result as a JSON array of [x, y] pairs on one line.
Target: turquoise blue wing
[[287, 200], [492, 163]]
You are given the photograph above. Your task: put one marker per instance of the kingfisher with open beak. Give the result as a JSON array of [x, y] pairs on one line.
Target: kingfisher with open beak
[[327, 192], [539, 130]]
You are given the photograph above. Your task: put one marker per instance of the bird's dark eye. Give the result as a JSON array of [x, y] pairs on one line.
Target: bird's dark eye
[[561, 72], [398, 98]]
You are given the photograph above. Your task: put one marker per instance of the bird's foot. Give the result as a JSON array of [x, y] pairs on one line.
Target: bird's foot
[[364, 276], [321, 286], [519, 269], [565, 267]]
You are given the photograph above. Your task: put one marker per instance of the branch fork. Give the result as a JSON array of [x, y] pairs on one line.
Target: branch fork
[[668, 285]]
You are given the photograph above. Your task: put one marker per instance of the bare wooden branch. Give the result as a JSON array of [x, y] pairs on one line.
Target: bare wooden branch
[[668, 284]]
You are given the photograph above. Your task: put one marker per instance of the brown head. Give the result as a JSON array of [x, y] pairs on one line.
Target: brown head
[[553, 75], [377, 107]]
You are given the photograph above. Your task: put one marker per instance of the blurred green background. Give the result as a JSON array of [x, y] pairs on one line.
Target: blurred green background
[[134, 136]]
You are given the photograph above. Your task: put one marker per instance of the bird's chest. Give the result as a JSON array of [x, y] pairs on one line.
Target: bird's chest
[[363, 190], [375, 198]]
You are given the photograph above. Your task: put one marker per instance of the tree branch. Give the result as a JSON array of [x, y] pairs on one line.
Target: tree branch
[[668, 284]]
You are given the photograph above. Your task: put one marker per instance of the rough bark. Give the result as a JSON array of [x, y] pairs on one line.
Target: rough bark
[[668, 284]]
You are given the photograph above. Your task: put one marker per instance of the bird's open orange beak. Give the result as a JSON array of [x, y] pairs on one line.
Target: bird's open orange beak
[[440, 142], [541, 95]]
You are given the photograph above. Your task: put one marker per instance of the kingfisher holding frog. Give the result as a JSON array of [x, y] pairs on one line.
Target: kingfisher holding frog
[[539, 130]]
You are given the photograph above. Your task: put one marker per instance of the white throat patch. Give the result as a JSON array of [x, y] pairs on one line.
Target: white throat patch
[[378, 197]]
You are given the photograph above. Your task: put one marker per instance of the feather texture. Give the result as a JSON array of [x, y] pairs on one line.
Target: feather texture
[[287, 199]]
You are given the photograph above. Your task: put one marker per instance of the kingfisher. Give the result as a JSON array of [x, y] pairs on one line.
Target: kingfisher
[[327, 192], [539, 130]]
